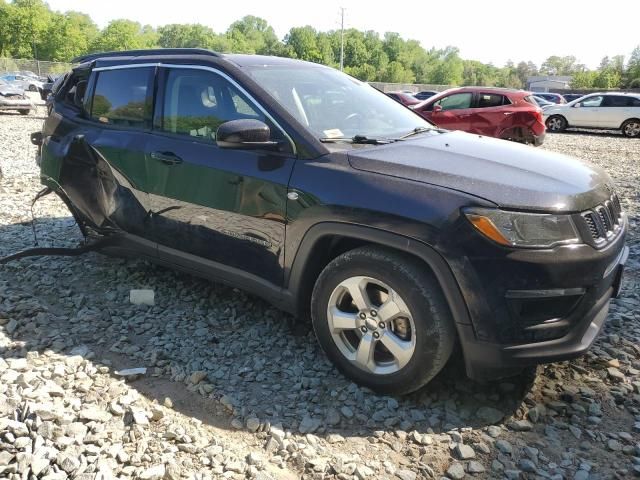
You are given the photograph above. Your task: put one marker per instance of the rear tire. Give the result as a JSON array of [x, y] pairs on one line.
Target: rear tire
[[631, 128], [33, 88], [395, 332], [556, 123]]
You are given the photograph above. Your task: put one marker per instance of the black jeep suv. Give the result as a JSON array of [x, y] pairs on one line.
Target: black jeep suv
[[326, 197]]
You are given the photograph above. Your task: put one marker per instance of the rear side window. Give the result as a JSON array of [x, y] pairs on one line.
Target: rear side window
[[487, 100], [123, 98], [196, 103], [619, 101]]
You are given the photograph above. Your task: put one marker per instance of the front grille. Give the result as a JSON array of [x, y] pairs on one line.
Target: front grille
[[604, 220]]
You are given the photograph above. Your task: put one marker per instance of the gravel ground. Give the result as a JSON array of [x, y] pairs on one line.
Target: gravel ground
[[236, 389]]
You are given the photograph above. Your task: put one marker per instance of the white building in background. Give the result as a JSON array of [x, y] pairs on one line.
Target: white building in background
[[544, 83]]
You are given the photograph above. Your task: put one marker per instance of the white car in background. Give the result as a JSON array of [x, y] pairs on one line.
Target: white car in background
[[605, 111]]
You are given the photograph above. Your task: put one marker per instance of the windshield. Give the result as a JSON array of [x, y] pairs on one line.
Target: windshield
[[334, 105]]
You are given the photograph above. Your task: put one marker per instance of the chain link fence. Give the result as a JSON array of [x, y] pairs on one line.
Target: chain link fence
[[39, 67]]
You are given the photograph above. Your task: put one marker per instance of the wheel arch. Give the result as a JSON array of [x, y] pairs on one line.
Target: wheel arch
[[631, 119], [325, 241]]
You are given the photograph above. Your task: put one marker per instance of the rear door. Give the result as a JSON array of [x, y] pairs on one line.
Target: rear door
[[615, 110], [587, 113], [103, 172], [219, 205], [456, 111], [489, 113]]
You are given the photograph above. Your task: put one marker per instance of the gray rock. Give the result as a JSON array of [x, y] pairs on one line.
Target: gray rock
[[347, 412], [615, 375], [309, 424], [521, 426], [197, 377], [456, 471], [405, 474], [156, 472], [527, 465], [253, 424], [504, 447], [489, 414], [581, 475], [475, 467], [614, 445], [464, 452], [11, 326]]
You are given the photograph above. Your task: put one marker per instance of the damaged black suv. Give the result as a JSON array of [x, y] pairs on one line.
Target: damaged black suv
[[317, 192]]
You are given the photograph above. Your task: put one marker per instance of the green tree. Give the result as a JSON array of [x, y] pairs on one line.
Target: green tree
[[24, 26], [448, 69], [68, 35], [124, 35], [254, 35], [555, 65], [583, 80], [633, 67], [303, 44]]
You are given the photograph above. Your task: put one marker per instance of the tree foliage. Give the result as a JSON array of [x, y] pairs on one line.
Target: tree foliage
[[30, 29]]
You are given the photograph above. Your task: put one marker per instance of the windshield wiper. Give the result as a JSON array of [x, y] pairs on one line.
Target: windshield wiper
[[358, 139], [416, 131]]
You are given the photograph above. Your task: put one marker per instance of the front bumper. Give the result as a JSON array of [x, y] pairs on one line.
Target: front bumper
[[535, 306]]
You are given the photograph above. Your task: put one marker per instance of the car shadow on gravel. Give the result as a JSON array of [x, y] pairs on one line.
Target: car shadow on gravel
[[594, 133], [221, 355]]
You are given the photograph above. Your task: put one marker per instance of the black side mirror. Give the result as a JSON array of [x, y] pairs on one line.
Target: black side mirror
[[245, 133]]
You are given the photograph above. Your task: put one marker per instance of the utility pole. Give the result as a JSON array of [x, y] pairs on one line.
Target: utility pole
[[341, 38]]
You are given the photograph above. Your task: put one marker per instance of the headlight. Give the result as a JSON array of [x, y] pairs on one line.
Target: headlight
[[517, 229]]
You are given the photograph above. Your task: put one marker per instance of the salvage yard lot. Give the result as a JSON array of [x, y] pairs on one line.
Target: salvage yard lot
[[251, 394]]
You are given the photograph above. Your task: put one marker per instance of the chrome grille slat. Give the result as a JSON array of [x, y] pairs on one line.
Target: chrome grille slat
[[603, 221]]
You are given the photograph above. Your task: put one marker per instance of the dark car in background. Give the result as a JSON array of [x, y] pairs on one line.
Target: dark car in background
[[403, 98], [319, 193], [424, 94], [495, 112], [570, 97], [551, 97]]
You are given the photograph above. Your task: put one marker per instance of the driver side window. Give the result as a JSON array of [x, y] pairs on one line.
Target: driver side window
[[456, 101], [197, 102]]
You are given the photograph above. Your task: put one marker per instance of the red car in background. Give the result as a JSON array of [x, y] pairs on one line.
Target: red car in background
[[494, 112], [404, 98]]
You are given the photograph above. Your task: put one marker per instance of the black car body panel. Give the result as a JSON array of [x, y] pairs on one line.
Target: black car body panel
[[268, 220]]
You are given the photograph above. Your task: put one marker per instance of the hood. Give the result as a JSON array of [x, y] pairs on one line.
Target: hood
[[11, 90], [505, 173]]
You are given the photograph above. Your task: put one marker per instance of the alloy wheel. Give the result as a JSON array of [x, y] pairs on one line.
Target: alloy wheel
[[371, 325], [632, 129]]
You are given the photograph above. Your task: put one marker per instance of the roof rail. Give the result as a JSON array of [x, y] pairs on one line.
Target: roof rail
[[145, 53]]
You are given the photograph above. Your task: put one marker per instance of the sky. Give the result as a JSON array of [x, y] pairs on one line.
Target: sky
[[492, 31]]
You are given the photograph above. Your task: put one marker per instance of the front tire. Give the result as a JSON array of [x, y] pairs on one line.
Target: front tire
[[631, 128], [380, 316], [33, 88], [556, 123]]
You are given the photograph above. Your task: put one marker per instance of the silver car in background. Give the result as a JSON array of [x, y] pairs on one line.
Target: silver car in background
[[13, 97], [604, 111], [23, 81]]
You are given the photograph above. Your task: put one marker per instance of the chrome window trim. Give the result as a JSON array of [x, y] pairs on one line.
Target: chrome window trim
[[215, 71]]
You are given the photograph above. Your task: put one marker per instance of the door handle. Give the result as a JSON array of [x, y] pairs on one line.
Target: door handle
[[168, 158]]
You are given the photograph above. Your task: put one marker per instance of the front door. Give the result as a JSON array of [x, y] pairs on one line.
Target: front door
[[586, 113], [454, 112], [221, 205]]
